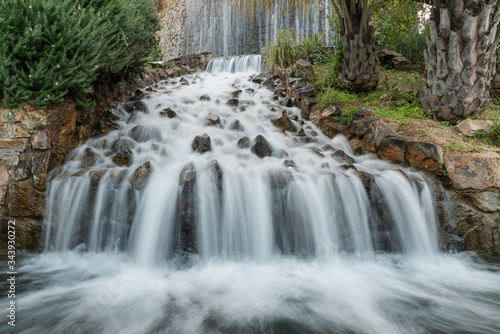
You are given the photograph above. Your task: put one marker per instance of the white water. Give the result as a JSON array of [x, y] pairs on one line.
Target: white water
[[214, 26], [302, 253]]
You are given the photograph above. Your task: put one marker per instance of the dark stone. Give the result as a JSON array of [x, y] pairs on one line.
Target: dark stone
[[141, 133], [235, 125], [261, 147], [361, 127], [205, 97], [123, 158], [236, 93], [302, 132], [289, 163], [141, 176], [287, 102], [392, 149], [232, 102], [186, 239], [280, 120], [168, 112], [134, 107], [202, 143], [304, 91], [122, 143], [214, 167], [280, 179], [341, 155], [95, 179], [88, 158], [244, 143]]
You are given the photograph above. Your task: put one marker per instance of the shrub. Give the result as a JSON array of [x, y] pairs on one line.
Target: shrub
[[53, 48], [283, 51]]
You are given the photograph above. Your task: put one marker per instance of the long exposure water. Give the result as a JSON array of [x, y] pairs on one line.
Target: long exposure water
[[309, 238]]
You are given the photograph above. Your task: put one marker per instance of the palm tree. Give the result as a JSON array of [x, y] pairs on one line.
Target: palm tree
[[359, 67], [460, 57]]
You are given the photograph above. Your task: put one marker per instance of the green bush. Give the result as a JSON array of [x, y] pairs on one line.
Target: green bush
[[53, 48], [283, 51]]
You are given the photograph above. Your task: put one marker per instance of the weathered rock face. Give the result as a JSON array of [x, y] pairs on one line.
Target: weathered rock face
[[123, 158], [186, 211], [280, 120], [469, 126], [141, 176], [477, 172]]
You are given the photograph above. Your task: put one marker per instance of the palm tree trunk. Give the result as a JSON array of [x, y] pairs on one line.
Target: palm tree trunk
[[359, 68], [460, 58]]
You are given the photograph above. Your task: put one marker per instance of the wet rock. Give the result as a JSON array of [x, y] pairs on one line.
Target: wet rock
[[328, 147], [186, 211], [202, 143], [216, 170], [42, 164], [122, 143], [302, 132], [95, 178], [244, 143], [261, 147], [142, 133], [280, 120], [287, 102], [117, 176], [478, 171], [280, 179], [123, 158], [261, 78], [342, 156], [235, 125], [235, 94], [184, 81], [232, 102], [469, 126], [136, 106], [88, 158], [280, 154], [289, 163], [213, 120], [168, 112], [306, 104], [141, 176], [205, 97]]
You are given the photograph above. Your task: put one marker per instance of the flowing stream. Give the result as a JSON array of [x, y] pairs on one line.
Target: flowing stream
[[255, 230]]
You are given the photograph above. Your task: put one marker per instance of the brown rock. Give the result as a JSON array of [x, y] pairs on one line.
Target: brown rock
[[9, 158], [14, 144], [141, 176], [88, 158], [478, 172], [62, 124], [123, 158], [381, 129], [306, 104], [24, 202], [213, 120], [33, 118], [13, 130], [41, 140], [281, 121], [392, 149], [4, 176], [486, 201], [43, 163], [361, 127], [305, 68], [425, 156], [202, 143], [469, 126]]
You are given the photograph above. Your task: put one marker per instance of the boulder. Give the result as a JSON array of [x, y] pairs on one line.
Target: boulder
[[213, 120], [244, 143], [123, 158], [280, 120], [216, 170], [469, 126], [205, 97], [141, 176], [475, 172], [143, 133], [304, 91], [202, 143], [232, 102], [235, 125], [392, 149], [88, 158], [261, 147], [424, 156], [168, 112], [122, 143], [287, 102], [187, 210], [305, 68]]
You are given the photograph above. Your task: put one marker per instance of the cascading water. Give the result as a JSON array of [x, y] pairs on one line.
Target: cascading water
[[214, 26], [247, 229]]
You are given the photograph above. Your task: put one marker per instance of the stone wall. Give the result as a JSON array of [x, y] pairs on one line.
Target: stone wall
[[467, 186], [34, 141], [173, 44]]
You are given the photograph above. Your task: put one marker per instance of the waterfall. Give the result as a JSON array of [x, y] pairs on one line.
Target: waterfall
[[215, 26], [310, 197], [198, 215]]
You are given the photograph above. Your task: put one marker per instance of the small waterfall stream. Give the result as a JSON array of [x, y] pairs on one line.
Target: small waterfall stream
[[248, 229]]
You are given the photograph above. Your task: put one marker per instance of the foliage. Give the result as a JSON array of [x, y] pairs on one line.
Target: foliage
[[285, 50], [335, 97], [396, 24], [491, 137], [53, 48]]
